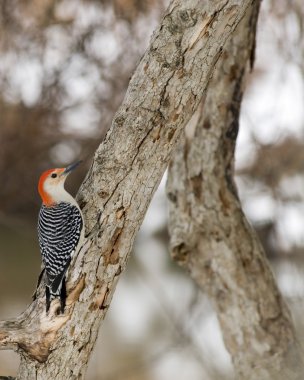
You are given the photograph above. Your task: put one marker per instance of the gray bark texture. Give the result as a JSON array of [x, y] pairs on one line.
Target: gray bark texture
[[165, 90], [209, 234]]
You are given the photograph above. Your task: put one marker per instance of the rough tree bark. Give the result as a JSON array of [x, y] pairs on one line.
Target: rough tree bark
[[209, 234], [165, 90]]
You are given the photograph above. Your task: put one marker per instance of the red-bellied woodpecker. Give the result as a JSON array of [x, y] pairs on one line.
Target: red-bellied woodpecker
[[60, 231]]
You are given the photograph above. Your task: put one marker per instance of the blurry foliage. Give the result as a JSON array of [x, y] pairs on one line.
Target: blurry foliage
[[278, 169], [64, 68], [274, 172], [275, 162]]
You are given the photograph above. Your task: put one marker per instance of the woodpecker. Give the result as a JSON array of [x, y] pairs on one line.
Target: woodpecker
[[60, 231]]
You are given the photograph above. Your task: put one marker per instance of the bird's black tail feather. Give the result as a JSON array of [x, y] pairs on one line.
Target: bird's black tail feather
[[56, 289]]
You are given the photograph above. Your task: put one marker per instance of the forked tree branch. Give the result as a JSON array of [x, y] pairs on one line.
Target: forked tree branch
[[164, 91], [210, 235]]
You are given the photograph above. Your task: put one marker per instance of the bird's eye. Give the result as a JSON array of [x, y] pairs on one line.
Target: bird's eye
[[54, 175]]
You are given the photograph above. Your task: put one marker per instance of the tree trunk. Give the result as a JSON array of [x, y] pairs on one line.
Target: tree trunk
[[210, 235], [165, 90]]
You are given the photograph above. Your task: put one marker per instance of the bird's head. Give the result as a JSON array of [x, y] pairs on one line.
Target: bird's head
[[51, 184]]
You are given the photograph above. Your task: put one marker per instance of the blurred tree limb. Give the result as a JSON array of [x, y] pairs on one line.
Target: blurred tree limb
[[209, 234], [164, 92]]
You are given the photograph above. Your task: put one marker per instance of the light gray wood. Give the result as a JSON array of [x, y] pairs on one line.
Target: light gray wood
[[210, 235]]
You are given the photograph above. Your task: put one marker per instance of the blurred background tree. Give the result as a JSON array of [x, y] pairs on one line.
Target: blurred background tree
[[64, 67]]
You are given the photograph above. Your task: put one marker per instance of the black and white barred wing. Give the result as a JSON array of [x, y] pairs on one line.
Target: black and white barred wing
[[59, 231]]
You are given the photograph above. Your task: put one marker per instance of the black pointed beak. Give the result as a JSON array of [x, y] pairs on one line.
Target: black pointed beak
[[71, 167]]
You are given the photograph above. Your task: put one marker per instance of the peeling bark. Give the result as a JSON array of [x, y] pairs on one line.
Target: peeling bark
[[210, 235], [164, 91]]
